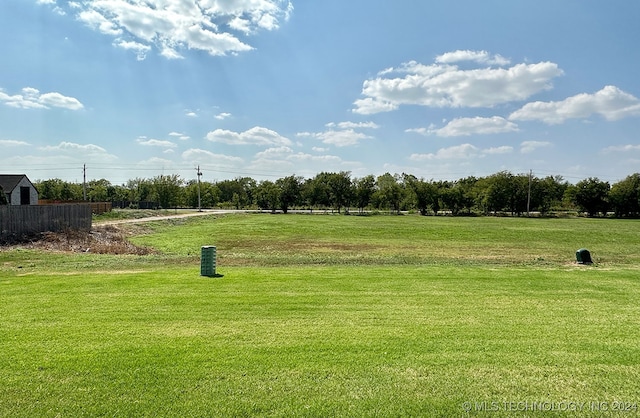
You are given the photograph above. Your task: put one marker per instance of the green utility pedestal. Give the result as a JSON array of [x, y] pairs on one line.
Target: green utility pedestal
[[583, 256], [208, 261]]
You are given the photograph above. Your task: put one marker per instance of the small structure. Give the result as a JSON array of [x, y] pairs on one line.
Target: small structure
[[583, 256], [208, 261], [18, 189]]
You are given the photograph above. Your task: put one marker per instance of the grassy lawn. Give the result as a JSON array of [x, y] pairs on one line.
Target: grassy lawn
[[329, 316]]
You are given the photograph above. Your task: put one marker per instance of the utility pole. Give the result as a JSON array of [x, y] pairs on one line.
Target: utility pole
[[529, 194], [199, 174], [84, 182]]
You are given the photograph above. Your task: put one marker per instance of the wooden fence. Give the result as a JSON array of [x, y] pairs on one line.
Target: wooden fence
[[97, 208], [17, 221]]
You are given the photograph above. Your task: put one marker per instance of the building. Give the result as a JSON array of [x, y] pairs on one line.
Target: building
[[18, 189]]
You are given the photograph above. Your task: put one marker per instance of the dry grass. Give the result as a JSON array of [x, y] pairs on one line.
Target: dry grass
[[100, 240]]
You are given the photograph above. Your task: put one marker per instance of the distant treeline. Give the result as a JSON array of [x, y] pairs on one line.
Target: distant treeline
[[502, 192]]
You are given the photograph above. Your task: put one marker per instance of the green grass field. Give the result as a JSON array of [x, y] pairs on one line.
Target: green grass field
[[323, 315]]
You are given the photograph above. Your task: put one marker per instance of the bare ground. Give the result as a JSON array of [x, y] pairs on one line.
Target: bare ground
[[106, 239], [109, 237]]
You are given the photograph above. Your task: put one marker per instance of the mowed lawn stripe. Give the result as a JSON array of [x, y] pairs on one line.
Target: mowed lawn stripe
[[153, 338]]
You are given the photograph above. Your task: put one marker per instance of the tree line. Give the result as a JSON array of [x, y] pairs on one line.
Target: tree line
[[502, 192]]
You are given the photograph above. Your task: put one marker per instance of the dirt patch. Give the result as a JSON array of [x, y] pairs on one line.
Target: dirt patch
[[106, 239]]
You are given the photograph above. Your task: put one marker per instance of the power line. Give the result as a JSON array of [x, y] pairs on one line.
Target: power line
[[214, 170]]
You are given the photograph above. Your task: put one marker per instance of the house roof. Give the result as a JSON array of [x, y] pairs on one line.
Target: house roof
[[8, 182]]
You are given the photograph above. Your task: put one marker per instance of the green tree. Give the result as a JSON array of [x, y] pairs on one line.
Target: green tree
[[340, 190], [190, 192], [141, 190], [49, 189], [519, 194], [467, 186], [117, 193], [423, 194], [71, 191], [209, 194], [243, 187], [452, 197], [98, 190], [334, 190], [591, 196], [315, 192], [56, 189], [495, 192], [389, 193], [168, 190], [624, 196], [363, 190], [547, 193], [290, 191], [267, 195]]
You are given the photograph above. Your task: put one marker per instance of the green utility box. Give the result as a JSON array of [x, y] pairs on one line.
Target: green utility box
[[208, 261], [583, 256]]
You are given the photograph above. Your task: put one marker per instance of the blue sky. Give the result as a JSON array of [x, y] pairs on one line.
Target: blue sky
[[269, 88]]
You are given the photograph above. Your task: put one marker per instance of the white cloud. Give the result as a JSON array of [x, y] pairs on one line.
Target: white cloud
[[156, 163], [614, 148], [170, 53], [80, 150], [323, 159], [371, 105], [461, 152], [71, 146], [283, 167], [32, 99], [155, 143], [276, 152], [58, 100], [180, 136], [505, 149], [529, 146], [174, 26], [610, 103], [421, 131], [12, 143], [222, 116], [52, 3], [472, 126], [200, 156], [141, 50], [443, 85], [339, 138], [287, 154], [254, 136], [458, 152], [342, 134], [353, 125], [481, 57], [97, 21], [342, 138], [282, 159]]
